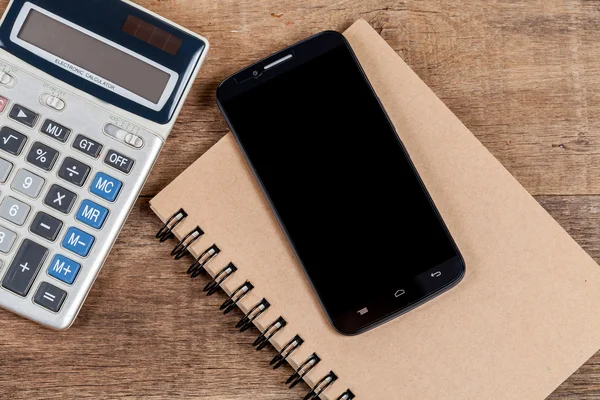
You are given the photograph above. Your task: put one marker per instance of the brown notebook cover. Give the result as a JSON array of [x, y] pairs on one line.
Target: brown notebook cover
[[523, 319]]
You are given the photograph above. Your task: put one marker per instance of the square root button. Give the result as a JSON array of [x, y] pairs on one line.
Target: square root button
[[106, 187]]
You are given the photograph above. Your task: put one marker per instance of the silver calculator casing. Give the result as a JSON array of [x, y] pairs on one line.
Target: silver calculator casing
[[87, 115]]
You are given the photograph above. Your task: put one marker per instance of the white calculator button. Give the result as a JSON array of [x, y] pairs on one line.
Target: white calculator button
[[14, 210], [5, 168], [6, 79], [27, 183], [7, 239], [55, 102]]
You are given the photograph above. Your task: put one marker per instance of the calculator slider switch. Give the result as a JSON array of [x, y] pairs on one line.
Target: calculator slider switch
[[123, 136], [53, 102], [7, 79]]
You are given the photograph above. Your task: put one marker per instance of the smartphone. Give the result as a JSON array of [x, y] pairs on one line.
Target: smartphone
[[340, 182]]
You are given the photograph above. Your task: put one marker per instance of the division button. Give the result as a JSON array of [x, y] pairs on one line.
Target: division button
[[24, 115], [24, 267], [74, 171], [50, 297]]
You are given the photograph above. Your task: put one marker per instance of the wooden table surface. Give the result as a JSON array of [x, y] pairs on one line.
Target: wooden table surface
[[524, 76]]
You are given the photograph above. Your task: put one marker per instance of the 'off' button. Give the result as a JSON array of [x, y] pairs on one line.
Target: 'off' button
[[119, 161]]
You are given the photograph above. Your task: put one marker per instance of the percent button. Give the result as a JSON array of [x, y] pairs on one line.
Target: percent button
[[42, 156]]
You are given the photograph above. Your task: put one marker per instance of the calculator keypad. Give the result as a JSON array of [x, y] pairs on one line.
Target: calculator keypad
[[66, 187]]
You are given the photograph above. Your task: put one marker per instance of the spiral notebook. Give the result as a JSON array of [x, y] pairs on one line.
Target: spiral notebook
[[523, 319]]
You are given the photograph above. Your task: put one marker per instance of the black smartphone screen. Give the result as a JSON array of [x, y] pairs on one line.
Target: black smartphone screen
[[342, 186]]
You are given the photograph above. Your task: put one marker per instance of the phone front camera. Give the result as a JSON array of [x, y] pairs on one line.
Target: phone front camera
[[254, 73]]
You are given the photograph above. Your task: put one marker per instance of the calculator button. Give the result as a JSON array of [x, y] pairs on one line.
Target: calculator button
[[42, 156], [60, 199], [118, 161], [92, 214], [46, 226], [12, 141], [7, 239], [14, 211], [55, 130], [24, 268], [28, 183], [7, 79], [64, 269], [74, 171], [24, 115], [55, 102], [87, 146], [3, 103], [5, 168], [50, 297], [78, 242], [106, 187]]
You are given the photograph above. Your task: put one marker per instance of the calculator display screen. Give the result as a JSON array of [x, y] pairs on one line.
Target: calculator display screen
[[92, 58]]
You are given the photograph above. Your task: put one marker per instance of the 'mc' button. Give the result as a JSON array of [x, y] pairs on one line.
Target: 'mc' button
[[106, 187]]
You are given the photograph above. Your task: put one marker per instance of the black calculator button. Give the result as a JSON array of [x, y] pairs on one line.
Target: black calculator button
[[74, 171], [60, 199], [42, 156], [24, 115], [118, 161], [50, 297], [87, 146], [24, 267], [46, 226], [55, 130], [12, 141]]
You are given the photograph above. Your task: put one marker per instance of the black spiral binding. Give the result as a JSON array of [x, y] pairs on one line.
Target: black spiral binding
[[237, 295], [181, 249], [303, 369], [286, 351], [262, 341], [198, 266], [347, 395]]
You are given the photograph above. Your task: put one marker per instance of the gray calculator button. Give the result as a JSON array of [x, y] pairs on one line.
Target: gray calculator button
[[27, 183], [14, 211], [50, 297], [60, 199], [74, 171], [5, 168], [46, 226], [42, 156], [87, 146], [24, 268], [12, 141], [24, 115], [55, 130], [7, 239], [118, 161]]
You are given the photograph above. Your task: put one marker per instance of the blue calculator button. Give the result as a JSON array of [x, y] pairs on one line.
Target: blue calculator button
[[63, 269], [106, 187], [78, 242], [91, 214]]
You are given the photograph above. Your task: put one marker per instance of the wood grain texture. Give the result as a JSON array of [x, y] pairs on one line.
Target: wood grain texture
[[523, 76]]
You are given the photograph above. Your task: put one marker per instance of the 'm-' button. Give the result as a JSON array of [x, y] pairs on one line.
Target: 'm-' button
[[78, 242], [106, 187]]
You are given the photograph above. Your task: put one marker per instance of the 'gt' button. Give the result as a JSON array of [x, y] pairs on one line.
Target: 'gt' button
[[106, 187], [118, 161]]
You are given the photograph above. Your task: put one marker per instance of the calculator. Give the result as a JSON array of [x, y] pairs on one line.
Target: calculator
[[89, 91]]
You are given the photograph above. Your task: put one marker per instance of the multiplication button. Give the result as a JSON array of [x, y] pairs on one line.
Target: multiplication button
[[60, 199]]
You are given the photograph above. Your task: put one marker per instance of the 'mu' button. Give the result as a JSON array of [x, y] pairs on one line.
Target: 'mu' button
[[106, 187]]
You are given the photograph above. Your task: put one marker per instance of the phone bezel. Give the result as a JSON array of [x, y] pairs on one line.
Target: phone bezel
[[422, 288]]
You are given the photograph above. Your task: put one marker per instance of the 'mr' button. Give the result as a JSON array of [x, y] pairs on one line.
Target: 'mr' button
[[106, 187]]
